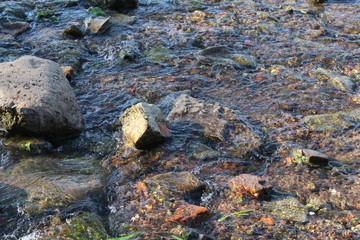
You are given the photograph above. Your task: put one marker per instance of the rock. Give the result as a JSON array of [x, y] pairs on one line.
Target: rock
[[33, 145], [98, 25], [203, 152], [220, 123], [15, 28], [158, 54], [73, 31], [252, 184], [51, 182], [68, 72], [118, 5], [83, 226], [172, 184], [37, 99], [314, 157], [223, 54], [143, 126], [333, 122], [287, 208], [340, 82], [188, 214], [119, 18]]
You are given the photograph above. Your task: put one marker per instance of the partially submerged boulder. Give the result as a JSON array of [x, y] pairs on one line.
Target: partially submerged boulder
[[37, 99], [98, 25], [219, 122], [143, 126]]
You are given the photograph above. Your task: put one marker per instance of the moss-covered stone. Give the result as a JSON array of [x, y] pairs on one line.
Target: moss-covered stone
[[287, 208], [168, 185], [83, 226], [333, 122]]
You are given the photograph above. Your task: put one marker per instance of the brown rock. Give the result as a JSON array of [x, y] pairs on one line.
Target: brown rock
[[188, 214], [16, 28], [246, 183], [315, 157], [99, 25]]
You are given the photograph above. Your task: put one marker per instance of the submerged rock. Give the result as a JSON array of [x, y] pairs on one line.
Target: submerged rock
[[83, 226], [333, 122], [168, 185], [37, 99], [221, 123], [340, 82], [252, 184], [287, 208], [52, 183], [223, 54], [143, 126]]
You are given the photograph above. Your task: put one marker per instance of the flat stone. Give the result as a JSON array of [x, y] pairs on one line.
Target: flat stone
[[173, 184], [189, 214], [143, 126], [37, 99], [247, 183], [340, 82], [99, 25], [287, 208]]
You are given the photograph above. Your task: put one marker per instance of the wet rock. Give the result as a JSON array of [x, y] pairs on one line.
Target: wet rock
[[188, 214], [15, 28], [98, 25], [119, 18], [340, 82], [83, 226], [333, 122], [223, 54], [73, 31], [312, 157], [169, 185], [37, 99], [52, 183], [118, 5], [287, 208], [143, 126], [68, 72], [202, 152], [33, 145], [247, 183], [158, 54], [315, 202], [220, 123]]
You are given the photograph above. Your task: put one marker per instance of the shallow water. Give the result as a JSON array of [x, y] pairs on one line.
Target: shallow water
[[157, 57]]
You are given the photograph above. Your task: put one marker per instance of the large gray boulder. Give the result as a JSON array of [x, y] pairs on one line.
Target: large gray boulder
[[37, 99]]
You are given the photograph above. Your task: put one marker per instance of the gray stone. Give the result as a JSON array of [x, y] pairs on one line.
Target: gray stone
[[143, 126], [98, 25], [37, 99], [287, 208]]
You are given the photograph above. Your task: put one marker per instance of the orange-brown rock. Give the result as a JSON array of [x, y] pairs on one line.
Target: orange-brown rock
[[188, 214], [247, 183]]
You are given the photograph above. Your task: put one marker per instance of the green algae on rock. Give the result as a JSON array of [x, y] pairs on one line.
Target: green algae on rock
[[287, 208], [333, 122], [172, 184], [83, 226]]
